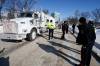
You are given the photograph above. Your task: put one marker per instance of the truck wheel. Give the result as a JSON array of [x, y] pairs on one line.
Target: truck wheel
[[31, 36]]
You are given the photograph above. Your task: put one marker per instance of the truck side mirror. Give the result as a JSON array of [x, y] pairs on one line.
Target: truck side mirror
[[36, 16]]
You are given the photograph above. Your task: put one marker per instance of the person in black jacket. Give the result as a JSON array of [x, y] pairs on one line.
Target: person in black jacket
[[86, 37], [73, 28], [64, 29]]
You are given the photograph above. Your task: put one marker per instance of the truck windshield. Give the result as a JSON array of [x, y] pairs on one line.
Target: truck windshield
[[25, 15]]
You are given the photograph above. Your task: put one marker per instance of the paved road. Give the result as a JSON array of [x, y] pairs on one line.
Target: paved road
[[43, 52]]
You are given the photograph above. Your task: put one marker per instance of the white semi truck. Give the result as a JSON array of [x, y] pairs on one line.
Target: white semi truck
[[27, 26]]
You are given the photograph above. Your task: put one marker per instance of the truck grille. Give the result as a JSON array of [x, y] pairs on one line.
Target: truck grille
[[10, 27]]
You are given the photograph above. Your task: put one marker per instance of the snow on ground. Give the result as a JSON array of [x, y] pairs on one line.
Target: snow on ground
[[98, 35], [96, 47], [1, 28]]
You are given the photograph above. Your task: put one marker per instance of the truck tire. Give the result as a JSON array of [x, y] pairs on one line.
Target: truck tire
[[32, 35]]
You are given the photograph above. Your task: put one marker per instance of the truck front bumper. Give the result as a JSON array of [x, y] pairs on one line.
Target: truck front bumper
[[12, 36]]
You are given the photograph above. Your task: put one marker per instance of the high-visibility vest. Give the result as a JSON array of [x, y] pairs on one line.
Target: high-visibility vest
[[50, 25]]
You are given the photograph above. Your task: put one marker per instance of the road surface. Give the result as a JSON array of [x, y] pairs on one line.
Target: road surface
[[43, 52]]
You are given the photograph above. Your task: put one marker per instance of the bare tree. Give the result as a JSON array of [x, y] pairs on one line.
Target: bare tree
[[24, 4], [85, 14], [53, 15], [11, 7], [1, 6], [19, 5], [46, 11], [77, 14], [72, 20], [14, 6], [27, 5], [96, 14]]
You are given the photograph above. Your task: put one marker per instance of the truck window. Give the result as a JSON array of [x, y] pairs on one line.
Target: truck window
[[36, 16], [25, 14]]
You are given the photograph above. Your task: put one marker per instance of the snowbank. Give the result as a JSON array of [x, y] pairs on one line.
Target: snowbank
[[96, 47]]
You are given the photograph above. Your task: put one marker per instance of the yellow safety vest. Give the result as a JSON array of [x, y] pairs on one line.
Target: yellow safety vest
[[50, 25]]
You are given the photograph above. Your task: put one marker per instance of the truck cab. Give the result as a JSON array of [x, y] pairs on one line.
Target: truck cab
[[26, 26]]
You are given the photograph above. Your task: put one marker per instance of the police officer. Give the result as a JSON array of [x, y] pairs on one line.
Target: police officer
[[73, 28], [51, 27], [64, 29], [86, 37]]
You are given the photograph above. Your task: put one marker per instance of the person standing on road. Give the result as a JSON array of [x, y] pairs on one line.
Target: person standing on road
[[73, 28], [51, 27], [86, 37], [64, 29]]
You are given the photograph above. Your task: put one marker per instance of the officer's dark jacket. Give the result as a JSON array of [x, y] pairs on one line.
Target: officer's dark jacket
[[86, 34], [64, 27], [92, 34], [73, 26]]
